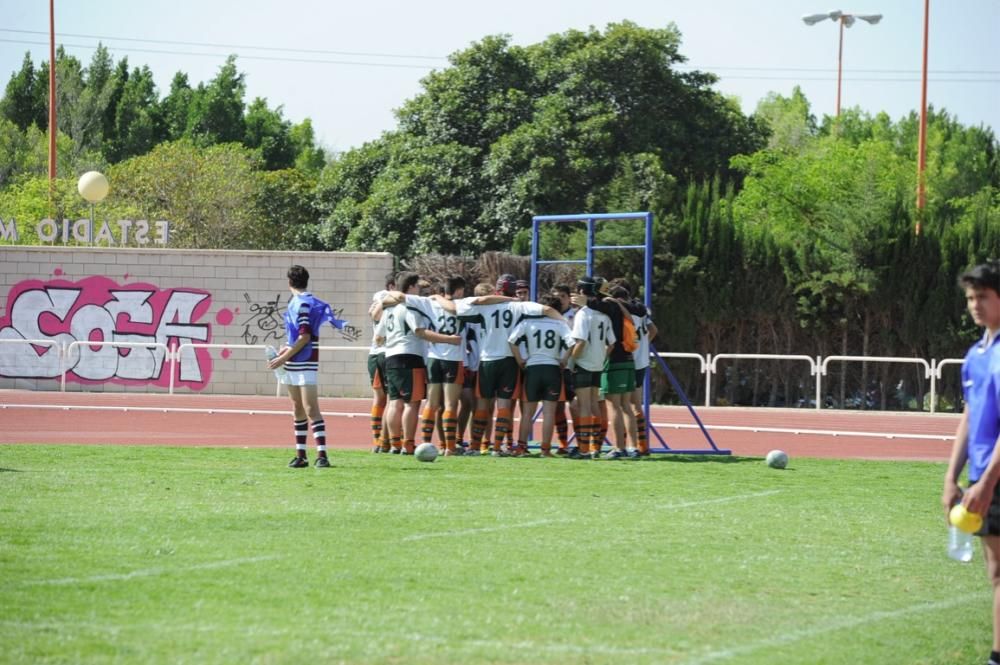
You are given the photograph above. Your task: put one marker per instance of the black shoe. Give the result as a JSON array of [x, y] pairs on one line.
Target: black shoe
[[322, 463], [298, 463]]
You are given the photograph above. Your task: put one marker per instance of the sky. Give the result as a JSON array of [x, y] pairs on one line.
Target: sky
[[348, 65]]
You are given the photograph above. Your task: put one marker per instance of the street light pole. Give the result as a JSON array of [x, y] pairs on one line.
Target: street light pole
[[52, 95], [845, 21], [922, 140]]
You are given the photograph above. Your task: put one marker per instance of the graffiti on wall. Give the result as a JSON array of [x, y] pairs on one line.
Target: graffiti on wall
[[265, 321], [97, 309]]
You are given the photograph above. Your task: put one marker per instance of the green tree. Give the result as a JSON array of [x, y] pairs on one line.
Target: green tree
[[269, 132], [175, 108], [20, 101], [207, 193], [216, 112]]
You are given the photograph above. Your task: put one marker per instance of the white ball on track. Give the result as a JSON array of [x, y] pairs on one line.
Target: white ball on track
[[426, 452]]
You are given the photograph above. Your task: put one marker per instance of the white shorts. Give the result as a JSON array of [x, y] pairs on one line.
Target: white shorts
[[299, 378]]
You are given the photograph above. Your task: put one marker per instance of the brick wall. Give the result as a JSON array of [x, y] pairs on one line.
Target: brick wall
[[228, 298]]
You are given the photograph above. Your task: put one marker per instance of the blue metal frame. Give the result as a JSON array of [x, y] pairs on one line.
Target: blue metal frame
[[647, 247]]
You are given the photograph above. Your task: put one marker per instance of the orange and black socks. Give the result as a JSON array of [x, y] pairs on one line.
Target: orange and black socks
[[562, 428], [480, 419], [504, 423], [427, 423], [377, 412], [641, 434], [449, 422]]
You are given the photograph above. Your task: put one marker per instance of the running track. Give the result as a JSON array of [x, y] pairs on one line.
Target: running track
[[33, 417]]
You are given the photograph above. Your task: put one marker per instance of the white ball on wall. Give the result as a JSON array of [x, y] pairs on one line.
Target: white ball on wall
[[93, 186]]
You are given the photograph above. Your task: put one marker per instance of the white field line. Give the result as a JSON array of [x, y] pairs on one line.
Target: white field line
[[149, 572], [829, 627], [485, 529], [800, 430], [721, 499], [567, 520], [347, 414]]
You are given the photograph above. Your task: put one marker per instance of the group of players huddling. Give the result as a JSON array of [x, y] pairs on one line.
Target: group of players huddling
[[478, 357]]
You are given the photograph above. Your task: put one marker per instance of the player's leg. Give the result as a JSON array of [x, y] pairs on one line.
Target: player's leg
[[639, 413], [301, 423], [310, 395], [467, 405], [379, 401], [991, 552], [449, 417], [435, 397], [394, 411], [413, 395], [548, 426]]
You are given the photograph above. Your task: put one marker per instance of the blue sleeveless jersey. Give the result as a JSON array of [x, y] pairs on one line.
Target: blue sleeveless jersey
[[306, 314], [981, 388]]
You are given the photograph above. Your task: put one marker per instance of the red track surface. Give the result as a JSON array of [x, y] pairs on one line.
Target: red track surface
[[206, 420]]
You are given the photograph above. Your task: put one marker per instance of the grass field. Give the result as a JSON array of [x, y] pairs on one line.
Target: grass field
[[182, 555]]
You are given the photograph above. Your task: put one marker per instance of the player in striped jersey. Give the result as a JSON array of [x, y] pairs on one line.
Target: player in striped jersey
[[300, 358], [546, 343]]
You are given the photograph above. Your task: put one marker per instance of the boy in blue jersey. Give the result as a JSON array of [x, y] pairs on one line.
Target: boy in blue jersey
[[300, 358], [976, 438]]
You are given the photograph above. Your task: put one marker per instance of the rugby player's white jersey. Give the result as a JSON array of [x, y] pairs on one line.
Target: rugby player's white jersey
[[594, 328], [641, 355], [399, 325], [445, 323], [543, 341], [470, 344], [497, 322], [376, 348]]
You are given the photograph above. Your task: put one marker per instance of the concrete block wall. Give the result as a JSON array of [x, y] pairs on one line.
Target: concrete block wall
[[229, 298]]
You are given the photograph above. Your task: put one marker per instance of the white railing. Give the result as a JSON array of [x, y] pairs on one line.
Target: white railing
[[260, 347], [123, 345], [817, 367], [713, 363], [707, 364]]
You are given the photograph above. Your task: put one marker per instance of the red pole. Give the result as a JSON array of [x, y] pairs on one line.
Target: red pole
[[840, 57], [922, 139], [52, 93]]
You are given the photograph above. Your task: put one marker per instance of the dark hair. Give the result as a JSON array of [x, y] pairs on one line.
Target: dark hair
[[619, 292], [505, 284], [455, 283], [406, 280], [298, 277], [561, 288], [983, 276], [552, 301], [587, 286], [390, 280], [521, 284]]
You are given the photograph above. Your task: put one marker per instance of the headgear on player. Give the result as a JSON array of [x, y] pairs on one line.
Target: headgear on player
[[506, 285]]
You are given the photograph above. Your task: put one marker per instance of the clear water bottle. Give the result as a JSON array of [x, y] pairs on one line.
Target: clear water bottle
[[271, 353], [959, 544]]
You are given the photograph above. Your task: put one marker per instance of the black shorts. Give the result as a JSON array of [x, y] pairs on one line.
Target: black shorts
[[584, 378], [543, 383], [499, 379], [444, 371], [640, 377], [991, 523], [568, 391], [406, 377], [376, 370]]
